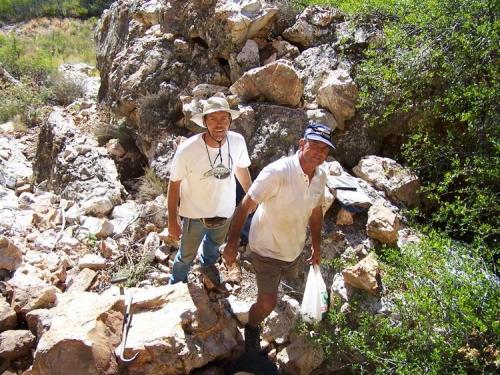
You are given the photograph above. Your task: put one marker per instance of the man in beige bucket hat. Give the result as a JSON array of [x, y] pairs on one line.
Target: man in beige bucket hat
[[202, 180]]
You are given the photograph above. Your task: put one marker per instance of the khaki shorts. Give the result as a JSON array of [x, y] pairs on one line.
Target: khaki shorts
[[268, 272]]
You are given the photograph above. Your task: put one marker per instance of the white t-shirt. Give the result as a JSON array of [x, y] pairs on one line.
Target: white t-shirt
[[286, 200], [206, 196]]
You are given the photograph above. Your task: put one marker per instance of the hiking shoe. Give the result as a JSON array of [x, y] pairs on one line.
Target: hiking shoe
[[252, 339]]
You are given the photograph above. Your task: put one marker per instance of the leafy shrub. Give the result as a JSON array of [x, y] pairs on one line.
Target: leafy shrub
[[32, 56], [444, 316], [436, 74], [25, 101]]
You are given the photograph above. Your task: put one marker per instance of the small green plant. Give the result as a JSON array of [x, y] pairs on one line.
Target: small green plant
[[135, 270], [150, 186]]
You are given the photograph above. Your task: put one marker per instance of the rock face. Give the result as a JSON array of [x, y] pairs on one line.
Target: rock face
[[14, 167], [72, 167], [276, 133], [277, 83], [84, 330], [398, 182], [313, 26]]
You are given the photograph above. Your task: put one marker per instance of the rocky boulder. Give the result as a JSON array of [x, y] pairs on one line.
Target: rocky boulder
[[182, 43], [383, 224], [313, 26], [15, 169], [364, 275], [276, 132], [400, 183], [31, 293], [193, 331], [338, 93], [301, 357], [10, 255], [84, 330], [16, 344], [277, 83]]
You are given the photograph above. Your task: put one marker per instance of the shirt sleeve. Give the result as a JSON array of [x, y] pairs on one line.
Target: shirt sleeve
[[265, 186], [178, 168], [243, 158]]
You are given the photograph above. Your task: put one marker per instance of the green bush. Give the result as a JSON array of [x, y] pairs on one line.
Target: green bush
[[444, 316], [436, 75], [20, 10], [25, 101], [39, 52], [33, 56]]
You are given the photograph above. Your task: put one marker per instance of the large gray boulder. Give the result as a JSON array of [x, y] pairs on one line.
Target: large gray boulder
[[273, 132], [314, 26], [15, 169], [400, 183], [84, 330], [193, 332], [277, 83]]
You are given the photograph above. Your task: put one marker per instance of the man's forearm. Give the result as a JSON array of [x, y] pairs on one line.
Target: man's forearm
[[316, 224], [244, 178], [173, 196], [239, 218]]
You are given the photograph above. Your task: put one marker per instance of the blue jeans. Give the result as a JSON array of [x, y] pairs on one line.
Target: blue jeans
[[193, 233]]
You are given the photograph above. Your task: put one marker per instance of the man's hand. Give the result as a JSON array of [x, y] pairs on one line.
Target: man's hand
[[315, 257], [174, 229]]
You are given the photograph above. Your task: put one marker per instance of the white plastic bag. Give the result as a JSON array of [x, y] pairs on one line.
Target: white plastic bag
[[315, 301]]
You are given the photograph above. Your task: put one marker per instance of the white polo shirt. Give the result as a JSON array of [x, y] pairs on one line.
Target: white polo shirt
[[286, 200], [202, 196]]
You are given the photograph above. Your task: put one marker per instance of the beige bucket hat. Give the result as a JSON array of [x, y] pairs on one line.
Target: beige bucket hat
[[211, 105]]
